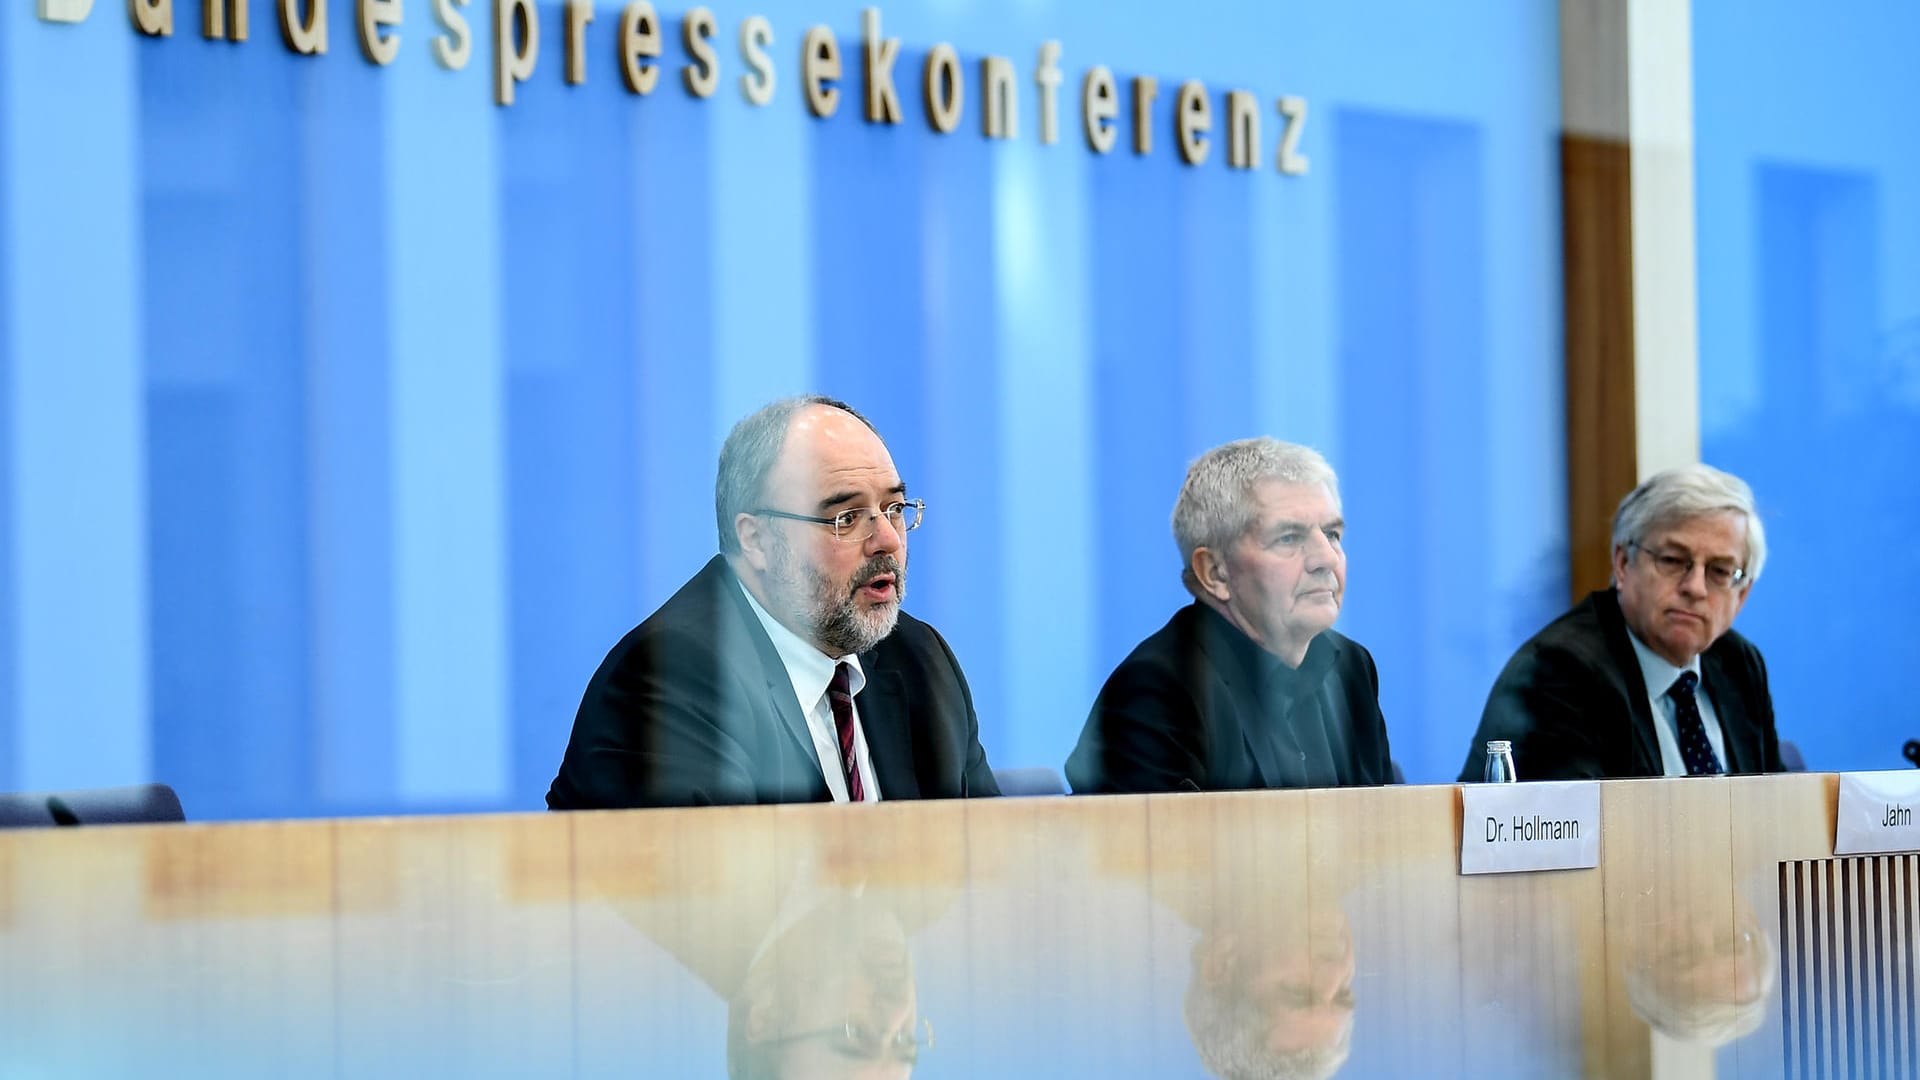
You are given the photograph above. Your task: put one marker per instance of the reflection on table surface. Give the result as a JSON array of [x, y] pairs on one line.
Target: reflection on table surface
[[1259, 935]]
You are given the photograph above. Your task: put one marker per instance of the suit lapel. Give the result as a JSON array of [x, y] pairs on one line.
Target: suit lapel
[[1266, 760], [787, 708], [1738, 733], [1228, 659], [1646, 744], [888, 725], [743, 627]]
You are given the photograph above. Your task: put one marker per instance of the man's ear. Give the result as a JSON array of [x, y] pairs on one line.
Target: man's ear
[[1210, 573], [1621, 556], [751, 531], [1213, 961], [1740, 599], [761, 1025]]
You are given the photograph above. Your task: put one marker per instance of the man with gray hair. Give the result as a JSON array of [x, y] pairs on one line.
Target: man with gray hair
[[1648, 678], [785, 671], [1249, 686]]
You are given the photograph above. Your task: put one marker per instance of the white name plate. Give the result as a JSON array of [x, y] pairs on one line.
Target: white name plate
[[1507, 828], [1877, 812]]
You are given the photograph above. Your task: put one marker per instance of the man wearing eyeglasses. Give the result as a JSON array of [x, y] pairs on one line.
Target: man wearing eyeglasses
[[785, 671], [1648, 678]]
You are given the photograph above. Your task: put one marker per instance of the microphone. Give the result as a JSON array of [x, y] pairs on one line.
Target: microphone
[[1911, 752]]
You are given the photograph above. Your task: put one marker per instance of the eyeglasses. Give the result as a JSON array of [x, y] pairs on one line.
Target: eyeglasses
[[854, 1040], [1676, 566], [858, 525]]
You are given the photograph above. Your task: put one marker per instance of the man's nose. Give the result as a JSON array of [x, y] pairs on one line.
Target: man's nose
[[887, 536], [1320, 551], [1694, 581]]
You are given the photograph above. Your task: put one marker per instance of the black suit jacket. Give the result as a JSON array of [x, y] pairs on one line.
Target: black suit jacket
[[1200, 707], [693, 707], [1575, 706]]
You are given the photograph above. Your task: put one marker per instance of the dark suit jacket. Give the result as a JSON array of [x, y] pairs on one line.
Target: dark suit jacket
[[693, 707], [1199, 707], [1575, 706]]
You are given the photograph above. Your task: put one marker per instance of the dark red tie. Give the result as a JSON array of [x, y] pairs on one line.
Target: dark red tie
[[840, 696]]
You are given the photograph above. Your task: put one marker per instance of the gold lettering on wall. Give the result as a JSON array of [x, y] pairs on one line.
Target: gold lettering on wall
[[516, 46], [1243, 130], [153, 18], [999, 106], [215, 23], [452, 48], [578, 14], [639, 42], [945, 92], [1193, 119], [1291, 161], [755, 35], [883, 102], [639, 45], [696, 33], [308, 36], [819, 66], [1046, 76], [378, 46], [1099, 105], [1145, 89]]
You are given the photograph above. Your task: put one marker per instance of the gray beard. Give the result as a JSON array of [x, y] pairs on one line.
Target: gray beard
[[834, 616]]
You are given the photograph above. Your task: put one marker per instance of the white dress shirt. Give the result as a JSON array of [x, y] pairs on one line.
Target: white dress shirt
[[812, 672], [1666, 715]]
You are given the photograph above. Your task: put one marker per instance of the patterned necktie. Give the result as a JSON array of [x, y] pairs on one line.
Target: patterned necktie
[[1694, 748], [840, 696]]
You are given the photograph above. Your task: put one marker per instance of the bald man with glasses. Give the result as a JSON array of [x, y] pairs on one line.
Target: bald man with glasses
[[1648, 678], [785, 671]]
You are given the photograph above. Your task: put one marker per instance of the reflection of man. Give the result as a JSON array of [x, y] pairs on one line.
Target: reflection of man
[[1270, 990], [1700, 978], [799, 926], [1264, 1008], [1647, 678], [785, 671], [831, 997], [1249, 686]]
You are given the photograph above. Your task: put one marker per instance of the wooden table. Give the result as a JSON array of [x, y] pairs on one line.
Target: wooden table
[[1105, 937]]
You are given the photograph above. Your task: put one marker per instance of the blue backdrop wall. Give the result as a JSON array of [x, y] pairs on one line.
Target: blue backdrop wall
[[348, 418], [1809, 213]]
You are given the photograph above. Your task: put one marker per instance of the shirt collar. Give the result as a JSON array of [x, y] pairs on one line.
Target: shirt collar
[[1263, 665], [1654, 668], [809, 669]]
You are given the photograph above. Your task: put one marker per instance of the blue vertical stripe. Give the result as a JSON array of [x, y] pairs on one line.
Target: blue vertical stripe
[[763, 258], [1142, 437], [75, 425], [10, 748], [945, 420], [447, 428], [873, 300], [226, 388], [676, 444], [349, 505], [572, 247], [1044, 493], [1412, 304], [1296, 376]]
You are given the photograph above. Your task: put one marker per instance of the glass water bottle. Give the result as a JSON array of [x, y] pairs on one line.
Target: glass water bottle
[[1500, 762]]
